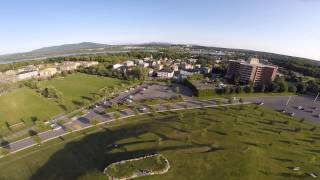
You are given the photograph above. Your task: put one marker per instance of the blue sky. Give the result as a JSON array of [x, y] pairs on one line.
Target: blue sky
[[283, 26]]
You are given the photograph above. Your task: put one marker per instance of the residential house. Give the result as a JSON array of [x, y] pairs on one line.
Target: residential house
[[128, 63], [116, 66], [165, 74], [189, 72]]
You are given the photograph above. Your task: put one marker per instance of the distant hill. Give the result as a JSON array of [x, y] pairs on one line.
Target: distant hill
[[93, 48], [62, 50], [69, 48]]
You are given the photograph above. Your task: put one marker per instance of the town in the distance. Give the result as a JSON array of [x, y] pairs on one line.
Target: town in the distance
[[149, 110]]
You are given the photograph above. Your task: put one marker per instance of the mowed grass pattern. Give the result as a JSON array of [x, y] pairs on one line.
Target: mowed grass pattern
[[78, 86], [240, 142], [24, 104]]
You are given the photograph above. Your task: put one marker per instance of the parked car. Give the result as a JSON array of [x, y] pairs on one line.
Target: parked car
[[260, 103], [142, 109], [300, 108], [292, 114], [55, 126]]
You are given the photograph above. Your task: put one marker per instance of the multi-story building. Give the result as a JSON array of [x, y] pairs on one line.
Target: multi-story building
[[251, 71], [26, 75], [165, 74], [48, 72], [128, 63]]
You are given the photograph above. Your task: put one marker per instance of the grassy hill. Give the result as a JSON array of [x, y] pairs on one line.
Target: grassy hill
[[25, 104], [77, 87], [240, 142]]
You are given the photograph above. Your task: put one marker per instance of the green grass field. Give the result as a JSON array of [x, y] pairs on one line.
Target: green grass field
[[239, 142], [24, 104], [78, 86]]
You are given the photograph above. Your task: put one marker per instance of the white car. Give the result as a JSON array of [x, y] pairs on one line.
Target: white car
[[260, 103], [142, 109], [55, 126], [300, 108]]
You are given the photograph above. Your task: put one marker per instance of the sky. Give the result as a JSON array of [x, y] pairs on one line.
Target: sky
[[290, 27]]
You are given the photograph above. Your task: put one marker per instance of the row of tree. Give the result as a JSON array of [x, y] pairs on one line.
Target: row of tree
[[135, 74]]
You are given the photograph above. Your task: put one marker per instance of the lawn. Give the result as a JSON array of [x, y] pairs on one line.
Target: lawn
[[78, 86], [25, 104], [239, 142]]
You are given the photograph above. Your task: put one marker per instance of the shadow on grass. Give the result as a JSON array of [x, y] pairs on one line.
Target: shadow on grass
[[95, 152]]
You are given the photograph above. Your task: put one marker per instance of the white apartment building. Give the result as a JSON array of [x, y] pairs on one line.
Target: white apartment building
[[165, 74], [27, 75]]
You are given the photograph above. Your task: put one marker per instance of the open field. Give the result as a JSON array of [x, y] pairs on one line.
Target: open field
[[76, 87], [239, 142], [25, 104]]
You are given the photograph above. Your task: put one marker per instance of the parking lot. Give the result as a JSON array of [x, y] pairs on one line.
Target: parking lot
[[308, 109], [153, 92]]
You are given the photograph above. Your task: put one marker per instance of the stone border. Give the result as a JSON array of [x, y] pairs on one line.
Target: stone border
[[139, 174]]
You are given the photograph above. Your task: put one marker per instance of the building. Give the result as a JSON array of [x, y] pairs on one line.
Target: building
[[48, 72], [144, 65], [128, 63], [26, 75], [186, 66], [165, 74], [175, 67], [189, 72], [206, 70], [69, 65], [89, 63], [116, 66], [251, 71], [159, 67]]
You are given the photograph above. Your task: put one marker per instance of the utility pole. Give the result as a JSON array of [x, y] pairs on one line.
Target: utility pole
[[315, 99]]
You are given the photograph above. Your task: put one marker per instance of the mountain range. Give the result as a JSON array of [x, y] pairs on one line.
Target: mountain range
[[94, 48]]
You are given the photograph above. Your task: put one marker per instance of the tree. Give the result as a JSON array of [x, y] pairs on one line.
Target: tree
[[247, 89], [159, 141], [282, 87], [292, 88], [301, 87], [238, 89], [106, 93], [227, 90], [263, 88], [51, 92], [178, 89], [180, 116], [241, 100], [114, 106]]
